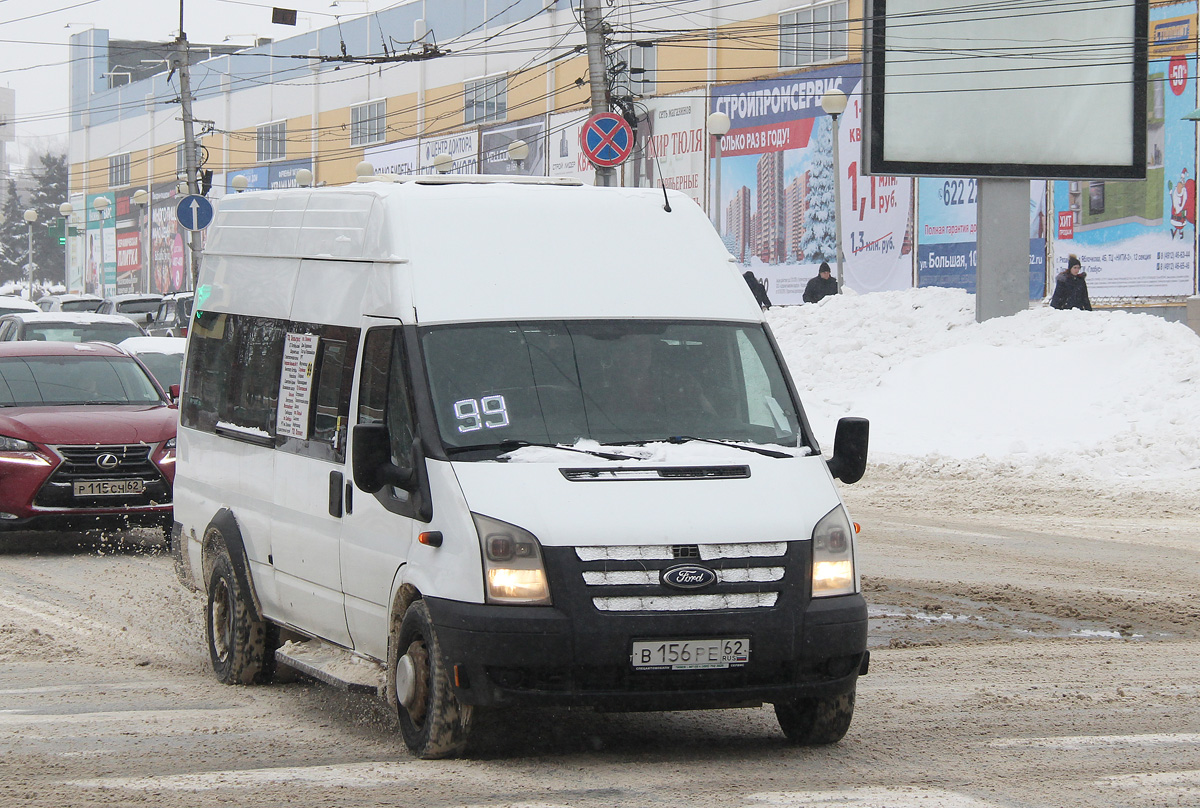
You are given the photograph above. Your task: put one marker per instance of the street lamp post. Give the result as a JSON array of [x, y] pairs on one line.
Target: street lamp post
[[718, 127], [101, 204], [65, 210], [30, 218], [834, 104], [142, 199]]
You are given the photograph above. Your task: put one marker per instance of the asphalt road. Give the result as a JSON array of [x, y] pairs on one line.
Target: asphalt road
[[1030, 648]]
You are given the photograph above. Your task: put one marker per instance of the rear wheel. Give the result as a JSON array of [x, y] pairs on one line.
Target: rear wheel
[[814, 721], [236, 635], [432, 720]]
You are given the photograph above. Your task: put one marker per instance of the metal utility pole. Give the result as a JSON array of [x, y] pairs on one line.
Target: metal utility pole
[[189, 135], [593, 28]]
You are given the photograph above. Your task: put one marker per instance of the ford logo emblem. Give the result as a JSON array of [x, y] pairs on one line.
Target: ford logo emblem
[[688, 576]]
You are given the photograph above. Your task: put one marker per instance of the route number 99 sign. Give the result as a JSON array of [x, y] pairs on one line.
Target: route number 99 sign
[[489, 412]]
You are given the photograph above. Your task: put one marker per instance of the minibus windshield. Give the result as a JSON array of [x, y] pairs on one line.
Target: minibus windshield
[[612, 381]]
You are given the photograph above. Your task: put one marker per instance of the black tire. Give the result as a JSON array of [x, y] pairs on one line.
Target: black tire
[[236, 634], [435, 725], [810, 722]]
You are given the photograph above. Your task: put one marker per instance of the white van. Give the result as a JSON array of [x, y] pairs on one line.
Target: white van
[[477, 443]]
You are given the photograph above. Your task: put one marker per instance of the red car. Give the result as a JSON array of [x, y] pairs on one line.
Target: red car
[[87, 439]]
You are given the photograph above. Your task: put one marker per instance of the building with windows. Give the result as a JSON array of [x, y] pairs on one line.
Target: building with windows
[[401, 86]]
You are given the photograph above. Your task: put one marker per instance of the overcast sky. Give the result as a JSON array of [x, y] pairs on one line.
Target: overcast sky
[[34, 36]]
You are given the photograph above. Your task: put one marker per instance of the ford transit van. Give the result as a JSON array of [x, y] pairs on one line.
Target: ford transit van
[[477, 443]]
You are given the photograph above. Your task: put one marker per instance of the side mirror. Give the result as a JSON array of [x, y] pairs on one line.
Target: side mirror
[[173, 392], [373, 466], [849, 460]]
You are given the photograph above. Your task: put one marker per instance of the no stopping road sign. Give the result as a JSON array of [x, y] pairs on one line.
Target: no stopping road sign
[[606, 140]]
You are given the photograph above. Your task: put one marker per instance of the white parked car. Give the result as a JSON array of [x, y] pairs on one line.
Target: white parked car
[[137, 307], [70, 302], [163, 356], [12, 305], [65, 326]]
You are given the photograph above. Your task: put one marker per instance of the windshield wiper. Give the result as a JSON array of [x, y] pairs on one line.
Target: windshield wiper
[[679, 439], [511, 445]]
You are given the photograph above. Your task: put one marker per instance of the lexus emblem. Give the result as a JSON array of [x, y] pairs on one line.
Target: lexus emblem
[[108, 462], [687, 576]]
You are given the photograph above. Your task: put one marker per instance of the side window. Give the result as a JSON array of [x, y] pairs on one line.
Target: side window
[[326, 399], [383, 392], [232, 378]]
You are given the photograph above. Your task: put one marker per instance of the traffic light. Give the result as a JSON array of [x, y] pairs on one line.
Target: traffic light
[[58, 229]]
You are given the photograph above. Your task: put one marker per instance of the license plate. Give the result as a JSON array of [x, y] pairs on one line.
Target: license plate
[[690, 655], [107, 488]]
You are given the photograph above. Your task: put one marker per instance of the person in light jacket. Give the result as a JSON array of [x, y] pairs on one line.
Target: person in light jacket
[[821, 286], [1070, 287]]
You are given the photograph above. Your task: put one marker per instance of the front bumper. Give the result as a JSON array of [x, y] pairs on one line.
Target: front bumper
[[506, 654]]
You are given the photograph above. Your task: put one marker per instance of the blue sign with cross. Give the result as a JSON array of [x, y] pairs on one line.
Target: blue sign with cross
[[606, 140]]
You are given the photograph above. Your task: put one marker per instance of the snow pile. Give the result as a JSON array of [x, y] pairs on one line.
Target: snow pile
[[1094, 396]]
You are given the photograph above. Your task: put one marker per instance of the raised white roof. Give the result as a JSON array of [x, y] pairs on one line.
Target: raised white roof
[[470, 250]]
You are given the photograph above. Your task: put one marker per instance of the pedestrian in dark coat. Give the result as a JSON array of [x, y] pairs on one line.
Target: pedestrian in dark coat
[[756, 286], [1070, 287], [821, 286]]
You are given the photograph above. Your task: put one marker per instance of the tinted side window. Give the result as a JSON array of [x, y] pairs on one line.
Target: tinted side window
[[232, 377], [384, 392], [328, 398]]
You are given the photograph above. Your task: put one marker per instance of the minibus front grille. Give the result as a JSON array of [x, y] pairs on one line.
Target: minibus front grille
[[629, 578], [628, 473]]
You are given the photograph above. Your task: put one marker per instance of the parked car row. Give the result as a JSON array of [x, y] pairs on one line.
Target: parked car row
[[87, 415], [162, 315], [87, 438]]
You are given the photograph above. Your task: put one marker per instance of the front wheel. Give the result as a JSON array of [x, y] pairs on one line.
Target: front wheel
[[236, 635], [814, 721], [432, 720]]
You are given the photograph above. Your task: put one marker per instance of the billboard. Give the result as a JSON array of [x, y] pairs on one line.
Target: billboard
[[463, 148], [992, 90], [1138, 239], [565, 156], [166, 241], [946, 236], [669, 147], [401, 157], [495, 143], [777, 197], [100, 247]]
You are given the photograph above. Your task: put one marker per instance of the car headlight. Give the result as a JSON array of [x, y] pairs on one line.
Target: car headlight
[[513, 572], [833, 556], [170, 445], [14, 445]]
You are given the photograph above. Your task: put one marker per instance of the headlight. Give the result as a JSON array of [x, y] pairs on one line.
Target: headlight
[[14, 445], [513, 572], [170, 445], [833, 556]]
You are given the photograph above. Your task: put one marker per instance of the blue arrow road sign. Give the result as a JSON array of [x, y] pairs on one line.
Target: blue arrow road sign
[[194, 212]]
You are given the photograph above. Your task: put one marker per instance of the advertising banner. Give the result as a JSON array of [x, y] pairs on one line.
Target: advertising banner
[[946, 236], [76, 237], [463, 148], [1138, 238], [128, 244], [495, 143], [669, 146], [256, 179], [402, 157], [283, 175], [166, 241], [101, 246], [565, 158], [776, 177]]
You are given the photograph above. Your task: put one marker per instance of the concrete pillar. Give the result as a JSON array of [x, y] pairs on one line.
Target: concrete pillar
[[1002, 270]]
